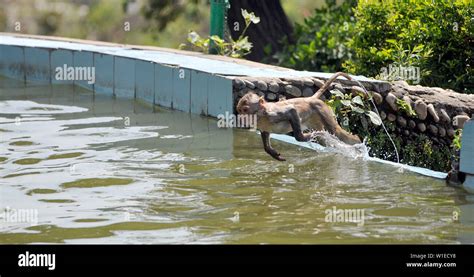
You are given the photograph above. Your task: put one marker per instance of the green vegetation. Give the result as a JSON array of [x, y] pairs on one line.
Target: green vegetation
[[456, 143], [233, 48], [437, 37], [353, 111], [321, 39], [405, 107], [355, 114]]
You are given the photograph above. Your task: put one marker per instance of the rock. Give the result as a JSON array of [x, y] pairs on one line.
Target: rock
[[307, 92], [391, 101], [401, 83], [459, 120], [433, 129], [242, 92], [391, 117], [308, 82], [442, 132], [411, 124], [421, 126], [450, 132], [259, 93], [238, 83], [296, 82], [273, 86], [270, 96], [317, 82], [406, 132], [407, 100], [443, 115], [420, 109], [378, 99], [402, 121], [381, 87], [261, 85], [292, 90], [339, 87], [383, 115], [433, 112], [358, 91], [249, 84]]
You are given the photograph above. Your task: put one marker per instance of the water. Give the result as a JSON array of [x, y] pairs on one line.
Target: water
[[93, 169]]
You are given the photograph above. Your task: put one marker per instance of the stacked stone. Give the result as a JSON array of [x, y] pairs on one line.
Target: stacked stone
[[433, 118], [275, 89]]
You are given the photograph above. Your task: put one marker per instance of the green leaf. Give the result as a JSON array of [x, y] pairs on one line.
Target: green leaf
[[217, 39], [243, 44], [337, 93], [193, 37], [358, 100], [357, 109], [374, 118], [346, 103]]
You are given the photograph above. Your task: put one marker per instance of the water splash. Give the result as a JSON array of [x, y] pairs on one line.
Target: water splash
[[334, 145]]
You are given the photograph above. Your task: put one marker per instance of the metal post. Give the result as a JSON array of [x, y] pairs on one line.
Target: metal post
[[218, 8]]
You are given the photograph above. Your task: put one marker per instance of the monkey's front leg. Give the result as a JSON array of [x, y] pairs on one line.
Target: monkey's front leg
[[268, 148]]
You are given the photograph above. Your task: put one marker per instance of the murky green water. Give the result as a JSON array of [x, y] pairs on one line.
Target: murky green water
[[101, 170]]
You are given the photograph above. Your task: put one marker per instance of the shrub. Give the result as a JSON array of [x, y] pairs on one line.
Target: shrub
[[321, 40], [436, 36]]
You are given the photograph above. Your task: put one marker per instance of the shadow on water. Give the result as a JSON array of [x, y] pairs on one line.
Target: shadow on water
[[96, 169]]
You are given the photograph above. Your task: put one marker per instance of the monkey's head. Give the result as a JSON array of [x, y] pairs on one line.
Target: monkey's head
[[250, 103]]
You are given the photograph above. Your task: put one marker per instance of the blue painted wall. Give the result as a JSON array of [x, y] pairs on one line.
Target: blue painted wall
[[164, 85], [467, 148], [59, 58], [12, 60], [124, 77], [169, 86], [37, 66], [199, 92], [104, 70], [84, 60], [219, 95], [182, 89], [145, 81]]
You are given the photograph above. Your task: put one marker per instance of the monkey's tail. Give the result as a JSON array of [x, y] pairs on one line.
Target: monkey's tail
[[326, 85]]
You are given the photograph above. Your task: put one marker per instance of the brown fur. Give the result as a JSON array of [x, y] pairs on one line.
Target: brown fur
[[294, 115]]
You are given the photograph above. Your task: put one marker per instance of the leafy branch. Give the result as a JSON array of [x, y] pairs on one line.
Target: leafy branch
[[233, 48]]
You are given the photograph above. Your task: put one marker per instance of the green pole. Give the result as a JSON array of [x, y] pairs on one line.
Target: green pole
[[218, 8]]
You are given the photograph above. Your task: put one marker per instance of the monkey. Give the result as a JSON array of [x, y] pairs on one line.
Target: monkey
[[294, 115]]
